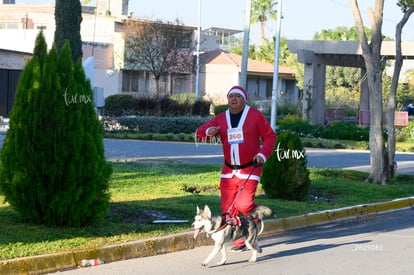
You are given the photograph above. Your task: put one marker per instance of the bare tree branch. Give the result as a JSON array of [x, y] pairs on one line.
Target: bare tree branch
[[158, 47]]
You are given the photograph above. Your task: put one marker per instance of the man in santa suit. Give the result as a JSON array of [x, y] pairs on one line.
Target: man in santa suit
[[248, 141]]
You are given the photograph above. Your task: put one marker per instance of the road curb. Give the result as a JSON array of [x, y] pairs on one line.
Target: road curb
[[335, 215], [183, 241]]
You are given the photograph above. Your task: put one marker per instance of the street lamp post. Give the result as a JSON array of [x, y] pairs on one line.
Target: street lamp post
[[245, 53], [273, 112], [198, 52]]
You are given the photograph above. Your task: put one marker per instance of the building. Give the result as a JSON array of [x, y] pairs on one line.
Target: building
[[103, 38], [11, 66], [220, 70]]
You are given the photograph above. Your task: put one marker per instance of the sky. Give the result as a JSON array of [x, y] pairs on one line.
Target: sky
[[301, 18]]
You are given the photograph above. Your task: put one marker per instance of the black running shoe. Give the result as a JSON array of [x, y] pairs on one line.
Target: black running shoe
[[238, 248]]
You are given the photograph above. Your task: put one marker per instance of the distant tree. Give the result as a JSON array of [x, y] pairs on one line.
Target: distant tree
[[239, 50], [262, 10], [292, 62], [53, 169], [68, 17], [407, 7], [340, 33], [410, 76], [266, 53], [158, 47]]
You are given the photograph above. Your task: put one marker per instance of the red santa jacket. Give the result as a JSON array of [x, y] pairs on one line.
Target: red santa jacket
[[258, 138]]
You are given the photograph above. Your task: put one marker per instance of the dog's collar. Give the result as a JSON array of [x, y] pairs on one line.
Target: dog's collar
[[218, 225], [220, 228], [223, 221]]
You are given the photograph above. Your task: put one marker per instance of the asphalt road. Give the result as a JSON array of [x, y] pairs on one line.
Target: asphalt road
[[377, 244], [212, 154], [121, 150]]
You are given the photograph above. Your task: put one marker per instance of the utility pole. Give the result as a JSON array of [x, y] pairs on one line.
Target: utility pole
[[273, 112], [197, 95], [246, 38]]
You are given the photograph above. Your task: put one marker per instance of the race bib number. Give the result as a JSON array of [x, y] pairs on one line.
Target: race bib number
[[235, 136]]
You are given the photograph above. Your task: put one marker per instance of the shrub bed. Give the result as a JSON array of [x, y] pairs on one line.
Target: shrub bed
[[127, 105], [336, 130], [155, 124]]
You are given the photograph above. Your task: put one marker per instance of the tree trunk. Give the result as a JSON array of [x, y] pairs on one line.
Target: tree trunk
[[392, 165], [371, 53], [262, 31], [157, 77]]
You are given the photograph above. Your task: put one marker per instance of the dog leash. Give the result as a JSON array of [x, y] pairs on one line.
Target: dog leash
[[230, 218], [241, 189]]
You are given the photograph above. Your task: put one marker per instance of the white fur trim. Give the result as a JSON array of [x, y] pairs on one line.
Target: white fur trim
[[237, 91]]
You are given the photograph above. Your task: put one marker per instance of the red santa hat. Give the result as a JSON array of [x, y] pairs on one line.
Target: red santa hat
[[238, 90]]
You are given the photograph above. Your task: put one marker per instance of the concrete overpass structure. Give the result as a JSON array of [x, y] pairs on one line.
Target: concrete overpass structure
[[317, 54]]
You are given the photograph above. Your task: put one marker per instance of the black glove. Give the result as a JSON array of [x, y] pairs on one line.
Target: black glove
[[256, 164]]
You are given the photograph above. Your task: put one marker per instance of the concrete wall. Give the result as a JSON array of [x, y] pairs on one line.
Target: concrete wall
[[214, 76]]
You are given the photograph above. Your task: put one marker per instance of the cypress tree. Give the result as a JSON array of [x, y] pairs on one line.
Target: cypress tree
[[68, 18], [285, 174], [53, 169]]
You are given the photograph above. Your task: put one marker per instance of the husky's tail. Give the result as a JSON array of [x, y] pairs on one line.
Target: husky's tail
[[261, 211], [258, 213]]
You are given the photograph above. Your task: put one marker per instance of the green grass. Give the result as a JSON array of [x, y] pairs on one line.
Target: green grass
[[144, 191]]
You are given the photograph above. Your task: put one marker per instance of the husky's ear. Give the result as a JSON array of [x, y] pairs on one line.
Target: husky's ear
[[207, 211], [198, 210]]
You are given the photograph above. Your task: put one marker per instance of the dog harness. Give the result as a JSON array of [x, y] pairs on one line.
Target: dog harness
[[227, 219], [230, 220]]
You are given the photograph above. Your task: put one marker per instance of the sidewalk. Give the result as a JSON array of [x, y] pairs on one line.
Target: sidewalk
[[183, 241]]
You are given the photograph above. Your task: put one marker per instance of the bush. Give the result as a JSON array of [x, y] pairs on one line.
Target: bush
[[336, 130], [220, 108], [53, 168], [290, 119], [201, 108], [288, 109], [285, 175], [301, 128], [127, 105], [405, 134], [346, 131], [154, 124], [119, 105]]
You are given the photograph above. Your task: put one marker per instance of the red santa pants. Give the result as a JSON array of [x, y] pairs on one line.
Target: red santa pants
[[229, 188]]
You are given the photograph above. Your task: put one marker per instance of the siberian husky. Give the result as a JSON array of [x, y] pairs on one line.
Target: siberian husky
[[248, 228]]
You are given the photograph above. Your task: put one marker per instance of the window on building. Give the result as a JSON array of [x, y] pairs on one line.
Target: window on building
[[185, 42], [135, 81], [163, 83], [181, 83], [269, 88], [9, 25]]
